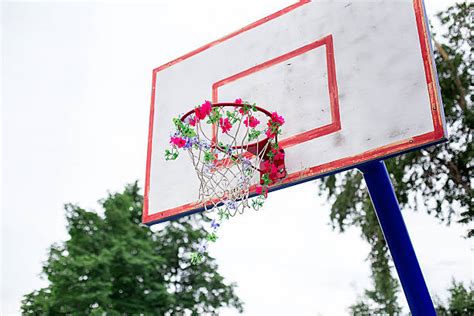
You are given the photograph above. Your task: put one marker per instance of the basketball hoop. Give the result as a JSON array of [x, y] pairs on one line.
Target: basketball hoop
[[232, 155]]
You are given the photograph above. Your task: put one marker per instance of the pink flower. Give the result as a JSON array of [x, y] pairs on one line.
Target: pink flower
[[279, 156], [191, 120], [278, 119], [269, 168], [238, 101], [178, 142], [251, 121], [261, 190], [200, 115], [270, 133], [206, 107], [225, 125], [204, 110]]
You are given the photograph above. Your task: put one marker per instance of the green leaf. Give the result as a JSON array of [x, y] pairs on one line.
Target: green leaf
[[212, 237], [254, 134], [257, 202], [266, 179], [171, 154], [209, 156]]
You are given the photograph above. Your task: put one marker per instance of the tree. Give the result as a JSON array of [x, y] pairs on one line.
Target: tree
[[460, 301], [115, 264], [437, 179]]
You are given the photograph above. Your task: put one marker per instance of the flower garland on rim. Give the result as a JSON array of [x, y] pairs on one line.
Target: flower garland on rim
[[186, 137]]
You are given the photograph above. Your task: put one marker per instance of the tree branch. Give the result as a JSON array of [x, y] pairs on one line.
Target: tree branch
[[457, 81]]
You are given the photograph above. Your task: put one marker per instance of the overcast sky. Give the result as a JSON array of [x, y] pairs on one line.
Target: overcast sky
[[76, 82]]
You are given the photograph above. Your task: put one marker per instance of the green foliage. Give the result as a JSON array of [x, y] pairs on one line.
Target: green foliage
[[212, 237], [214, 116], [266, 179], [454, 63], [360, 309], [257, 202], [209, 156], [115, 265], [437, 179], [233, 116], [460, 301], [171, 154], [247, 107], [223, 215], [184, 129], [224, 148], [254, 134]]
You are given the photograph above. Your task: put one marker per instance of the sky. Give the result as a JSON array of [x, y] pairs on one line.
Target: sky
[[75, 91]]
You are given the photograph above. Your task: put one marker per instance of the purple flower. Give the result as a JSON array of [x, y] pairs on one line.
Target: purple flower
[[190, 141], [246, 163], [215, 224], [202, 247], [231, 204], [190, 120], [203, 144], [175, 134]]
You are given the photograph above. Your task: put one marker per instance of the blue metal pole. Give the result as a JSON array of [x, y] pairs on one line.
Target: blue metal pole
[[396, 234]]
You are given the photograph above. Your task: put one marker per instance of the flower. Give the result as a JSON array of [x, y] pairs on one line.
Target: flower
[[246, 163], [206, 107], [238, 101], [204, 110], [269, 167], [190, 142], [225, 125], [200, 115], [203, 144], [277, 119], [261, 190], [202, 247], [178, 141], [215, 224], [251, 121], [230, 204], [192, 121], [276, 154], [270, 132], [279, 155]]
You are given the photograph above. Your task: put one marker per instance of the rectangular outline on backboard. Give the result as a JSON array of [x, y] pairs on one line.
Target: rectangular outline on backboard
[[436, 136], [335, 124]]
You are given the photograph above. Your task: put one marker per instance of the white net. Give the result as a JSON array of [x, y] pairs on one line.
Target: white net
[[227, 160]]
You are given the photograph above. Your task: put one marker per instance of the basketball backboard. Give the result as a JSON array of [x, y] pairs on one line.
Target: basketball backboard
[[355, 81]]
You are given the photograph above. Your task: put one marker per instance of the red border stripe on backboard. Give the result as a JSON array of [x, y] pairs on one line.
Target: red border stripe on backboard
[[429, 69], [335, 124], [246, 28]]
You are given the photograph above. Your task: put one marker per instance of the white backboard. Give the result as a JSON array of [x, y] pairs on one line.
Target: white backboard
[[355, 81]]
